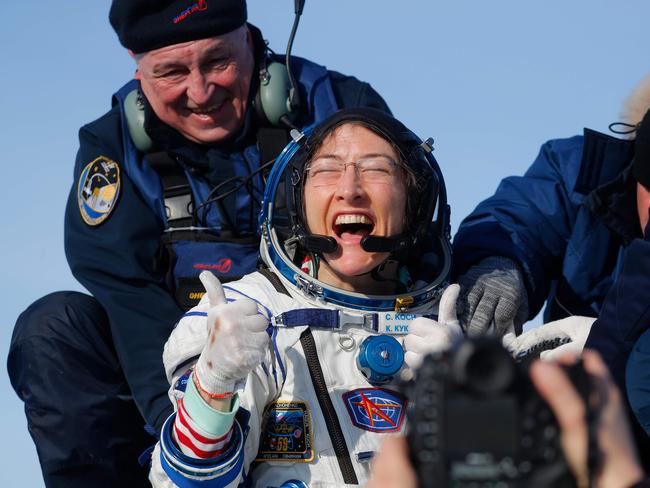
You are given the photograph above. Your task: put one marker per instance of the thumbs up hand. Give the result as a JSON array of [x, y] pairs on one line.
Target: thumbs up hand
[[237, 341], [426, 335]]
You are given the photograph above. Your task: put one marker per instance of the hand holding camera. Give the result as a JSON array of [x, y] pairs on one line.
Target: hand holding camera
[[608, 461], [619, 466], [477, 420]]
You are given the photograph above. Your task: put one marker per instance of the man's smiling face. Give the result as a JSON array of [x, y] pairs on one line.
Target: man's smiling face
[[200, 88]]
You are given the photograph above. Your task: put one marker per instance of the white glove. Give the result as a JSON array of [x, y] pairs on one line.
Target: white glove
[[237, 340], [426, 335], [555, 339]]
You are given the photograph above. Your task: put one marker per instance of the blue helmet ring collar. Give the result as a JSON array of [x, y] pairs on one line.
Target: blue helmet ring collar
[[275, 242]]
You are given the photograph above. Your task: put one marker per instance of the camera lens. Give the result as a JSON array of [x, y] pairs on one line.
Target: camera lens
[[482, 365]]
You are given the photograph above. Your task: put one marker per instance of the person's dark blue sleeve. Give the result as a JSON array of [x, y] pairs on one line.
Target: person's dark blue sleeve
[[621, 336], [626, 311], [114, 261], [529, 219], [350, 92], [637, 381]]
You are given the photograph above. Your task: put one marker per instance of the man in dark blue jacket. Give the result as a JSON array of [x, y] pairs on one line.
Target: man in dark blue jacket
[[554, 235], [621, 332], [624, 315], [569, 232], [167, 183], [623, 312]]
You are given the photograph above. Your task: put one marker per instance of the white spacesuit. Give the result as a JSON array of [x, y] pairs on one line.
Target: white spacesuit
[[299, 447], [322, 397]]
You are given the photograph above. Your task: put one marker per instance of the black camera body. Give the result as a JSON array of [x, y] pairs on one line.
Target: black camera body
[[477, 421]]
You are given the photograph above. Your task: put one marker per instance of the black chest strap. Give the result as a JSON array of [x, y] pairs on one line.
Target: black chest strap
[[270, 142], [273, 278], [177, 193], [327, 409]]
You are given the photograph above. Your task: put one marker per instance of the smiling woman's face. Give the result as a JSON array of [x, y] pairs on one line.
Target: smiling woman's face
[[354, 205]]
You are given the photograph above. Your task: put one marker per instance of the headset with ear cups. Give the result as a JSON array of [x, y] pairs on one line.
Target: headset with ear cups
[[272, 102], [134, 114], [277, 100]]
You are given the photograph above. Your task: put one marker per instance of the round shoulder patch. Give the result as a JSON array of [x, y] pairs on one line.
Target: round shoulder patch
[[98, 189]]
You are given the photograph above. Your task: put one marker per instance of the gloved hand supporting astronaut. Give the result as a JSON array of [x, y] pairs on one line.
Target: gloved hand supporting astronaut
[[238, 341], [562, 337], [555, 339], [493, 297]]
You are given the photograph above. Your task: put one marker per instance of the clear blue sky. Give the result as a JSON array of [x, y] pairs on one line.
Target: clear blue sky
[[490, 81]]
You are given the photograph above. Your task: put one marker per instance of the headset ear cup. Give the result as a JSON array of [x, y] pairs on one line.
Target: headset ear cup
[[134, 114], [272, 99]]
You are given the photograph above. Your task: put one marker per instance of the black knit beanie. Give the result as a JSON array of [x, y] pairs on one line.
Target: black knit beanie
[[144, 25], [642, 152]]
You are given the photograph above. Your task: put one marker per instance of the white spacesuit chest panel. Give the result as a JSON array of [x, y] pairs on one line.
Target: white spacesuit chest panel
[[365, 414], [284, 388]]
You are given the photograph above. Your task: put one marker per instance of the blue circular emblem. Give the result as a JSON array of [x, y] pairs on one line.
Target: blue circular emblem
[[293, 484], [380, 358]]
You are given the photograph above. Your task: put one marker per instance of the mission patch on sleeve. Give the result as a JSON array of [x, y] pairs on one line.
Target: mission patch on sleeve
[[99, 187]]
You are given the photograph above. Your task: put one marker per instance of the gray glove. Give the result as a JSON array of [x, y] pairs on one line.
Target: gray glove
[[493, 297]]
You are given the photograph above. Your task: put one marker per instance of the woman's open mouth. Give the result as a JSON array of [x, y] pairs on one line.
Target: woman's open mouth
[[352, 226]]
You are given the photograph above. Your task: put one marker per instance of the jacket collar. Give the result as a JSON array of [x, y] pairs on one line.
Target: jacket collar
[[615, 204]]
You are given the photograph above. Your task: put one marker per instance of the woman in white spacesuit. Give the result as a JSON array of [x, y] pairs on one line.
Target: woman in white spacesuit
[[283, 378]]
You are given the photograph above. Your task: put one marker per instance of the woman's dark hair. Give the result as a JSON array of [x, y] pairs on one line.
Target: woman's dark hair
[[411, 182]]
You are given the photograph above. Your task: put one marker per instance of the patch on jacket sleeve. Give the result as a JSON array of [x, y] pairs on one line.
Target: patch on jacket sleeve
[[286, 433], [375, 409], [98, 189]]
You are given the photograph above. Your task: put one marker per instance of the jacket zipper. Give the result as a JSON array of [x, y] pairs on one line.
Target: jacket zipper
[[327, 408]]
